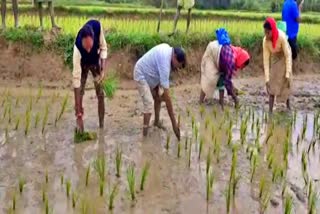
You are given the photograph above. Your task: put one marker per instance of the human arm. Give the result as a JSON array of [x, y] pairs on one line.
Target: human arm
[[167, 99], [103, 53], [266, 63], [296, 11], [287, 54]]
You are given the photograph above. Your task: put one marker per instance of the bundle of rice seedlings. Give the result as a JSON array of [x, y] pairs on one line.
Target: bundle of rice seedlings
[[110, 85]]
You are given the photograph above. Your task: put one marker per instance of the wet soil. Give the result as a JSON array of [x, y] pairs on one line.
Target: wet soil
[[172, 185]]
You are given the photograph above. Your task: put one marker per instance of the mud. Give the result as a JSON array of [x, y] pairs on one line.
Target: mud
[[172, 186]]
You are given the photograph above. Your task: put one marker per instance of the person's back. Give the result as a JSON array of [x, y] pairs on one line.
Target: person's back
[[290, 14], [155, 66]]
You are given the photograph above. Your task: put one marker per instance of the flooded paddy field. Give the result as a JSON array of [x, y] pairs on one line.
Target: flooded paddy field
[[236, 161]]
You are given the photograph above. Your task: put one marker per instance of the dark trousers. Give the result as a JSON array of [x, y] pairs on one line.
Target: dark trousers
[[294, 47], [95, 70]]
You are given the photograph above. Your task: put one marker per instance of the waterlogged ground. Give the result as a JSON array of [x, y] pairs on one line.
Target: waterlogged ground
[[173, 185]]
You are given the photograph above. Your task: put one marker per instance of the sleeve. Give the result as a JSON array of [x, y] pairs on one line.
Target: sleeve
[[266, 60], [103, 45], [295, 11], [288, 56], [228, 65], [164, 67], [76, 72]]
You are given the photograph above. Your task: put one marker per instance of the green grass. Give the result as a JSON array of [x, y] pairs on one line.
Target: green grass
[[118, 162], [131, 179], [112, 196], [144, 174], [110, 85]]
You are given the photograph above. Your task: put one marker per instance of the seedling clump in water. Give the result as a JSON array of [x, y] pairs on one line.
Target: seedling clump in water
[[210, 179], [100, 167], [288, 205], [118, 162], [144, 174], [201, 147], [112, 197], [68, 187], [131, 178], [22, 182]]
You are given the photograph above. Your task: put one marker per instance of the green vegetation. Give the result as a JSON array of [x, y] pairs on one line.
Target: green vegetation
[[110, 85]]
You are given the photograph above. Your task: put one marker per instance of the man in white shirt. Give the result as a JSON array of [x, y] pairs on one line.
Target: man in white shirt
[[89, 54], [152, 74]]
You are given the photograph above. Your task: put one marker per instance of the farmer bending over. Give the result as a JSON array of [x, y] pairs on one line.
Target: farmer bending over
[[89, 54], [219, 63], [152, 73]]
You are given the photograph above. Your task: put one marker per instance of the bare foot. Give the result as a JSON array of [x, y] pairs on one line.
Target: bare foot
[[160, 125]]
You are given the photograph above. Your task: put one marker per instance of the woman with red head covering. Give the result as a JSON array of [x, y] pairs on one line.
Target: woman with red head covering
[[218, 66], [277, 61]]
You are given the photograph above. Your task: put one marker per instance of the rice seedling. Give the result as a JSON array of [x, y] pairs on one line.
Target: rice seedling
[[217, 149], [275, 173], [209, 159], [186, 143], [286, 149], [262, 186], [229, 137], [202, 110], [284, 189], [14, 202], [7, 134], [22, 182], [100, 167], [243, 131], [45, 117], [101, 187], [144, 174], [200, 148], [61, 180], [5, 112], [44, 196], [252, 126], [179, 150], [188, 111], [46, 202], [228, 198], [214, 112], [304, 162], [110, 85], [207, 122], [288, 205], [196, 132], [16, 127], [131, 178], [88, 174], [168, 142], [253, 166], [192, 121], [84, 208], [210, 180], [265, 202], [68, 187], [27, 123], [213, 133], [63, 107], [37, 119], [9, 114], [46, 177], [39, 94], [304, 127], [74, 199], [17, 102], [312, 203], [294, 117], [235, 183], [270, 134], [112, 196], [189, 154], [30, 104], [118, 162]]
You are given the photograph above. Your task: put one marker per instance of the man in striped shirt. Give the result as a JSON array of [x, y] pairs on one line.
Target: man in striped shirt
[[89, 54]]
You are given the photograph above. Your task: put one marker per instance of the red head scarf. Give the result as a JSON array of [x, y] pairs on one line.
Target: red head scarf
[[241, 56], [274, 29]]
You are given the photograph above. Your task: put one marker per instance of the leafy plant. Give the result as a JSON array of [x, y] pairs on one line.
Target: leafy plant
[[27, 123], [88, 174], [288, 205], [210, 180], [262, 186], [209, 159], [110, 85], [74, 199], [45, 117], [201, 147], [22, 182], [68, 188], [101, 187]]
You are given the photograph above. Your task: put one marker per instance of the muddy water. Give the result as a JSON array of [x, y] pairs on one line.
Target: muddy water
[[172, 185]]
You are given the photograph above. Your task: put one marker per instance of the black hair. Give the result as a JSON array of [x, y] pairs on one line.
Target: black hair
[[180, 55], [86, 31], [267, 26], [246, 63]]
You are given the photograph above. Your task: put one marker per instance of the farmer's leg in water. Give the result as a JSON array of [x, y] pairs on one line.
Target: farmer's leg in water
[[188, 20], [157, 107], [97, 73], [3, 13], [51, 10], [176, 19], [15, 13]]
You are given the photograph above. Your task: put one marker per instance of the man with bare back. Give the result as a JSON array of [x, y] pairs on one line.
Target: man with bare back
[[4, 11], [188, 5]]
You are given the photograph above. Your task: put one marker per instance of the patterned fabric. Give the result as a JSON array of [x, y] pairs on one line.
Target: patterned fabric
[[227, 67]]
